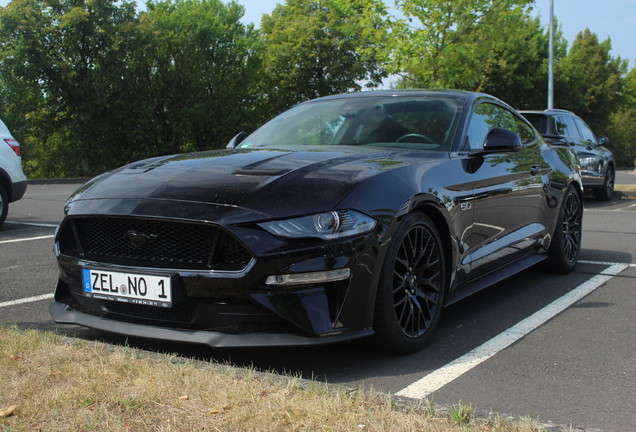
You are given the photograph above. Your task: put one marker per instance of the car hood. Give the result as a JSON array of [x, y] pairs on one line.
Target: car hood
[[257, 183]]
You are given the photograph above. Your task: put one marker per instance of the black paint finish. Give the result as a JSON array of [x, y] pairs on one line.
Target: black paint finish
[[495, 210]]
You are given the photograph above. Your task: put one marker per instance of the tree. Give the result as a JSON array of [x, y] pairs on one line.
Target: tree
[[622, 128], [91, 85], [593, 80], [68, 57], [203, 67], [444, 43], [516, 70], [315, 48]]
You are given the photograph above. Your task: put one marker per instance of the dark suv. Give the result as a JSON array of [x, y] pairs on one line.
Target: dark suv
[[597, 162]]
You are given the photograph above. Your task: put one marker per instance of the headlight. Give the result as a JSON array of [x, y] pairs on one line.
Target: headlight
[[328, 226]]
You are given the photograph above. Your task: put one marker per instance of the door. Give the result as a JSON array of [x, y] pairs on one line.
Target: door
[[508, 191]]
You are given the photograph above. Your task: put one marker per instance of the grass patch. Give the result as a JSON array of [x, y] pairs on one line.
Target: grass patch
[[461, 413], [57, 384], [625, 187]]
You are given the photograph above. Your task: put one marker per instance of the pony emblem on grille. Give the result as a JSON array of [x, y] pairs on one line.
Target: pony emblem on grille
[[138, 240]]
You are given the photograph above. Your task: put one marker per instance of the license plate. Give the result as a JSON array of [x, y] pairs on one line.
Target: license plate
[[135, 288]]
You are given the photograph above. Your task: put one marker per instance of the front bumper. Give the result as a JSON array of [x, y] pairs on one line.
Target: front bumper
[[64, 314], [225, 307], [19, 188]]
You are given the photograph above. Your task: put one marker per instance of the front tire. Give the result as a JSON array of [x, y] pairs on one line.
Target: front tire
[[606, 192], [566, 245], [412, 286]]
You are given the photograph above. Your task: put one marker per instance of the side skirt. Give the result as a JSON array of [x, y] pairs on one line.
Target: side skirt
[[493, 277]]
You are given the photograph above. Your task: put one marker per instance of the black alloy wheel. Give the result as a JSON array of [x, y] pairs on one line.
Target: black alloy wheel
[[566, 245], [606, 192], [412, 287]]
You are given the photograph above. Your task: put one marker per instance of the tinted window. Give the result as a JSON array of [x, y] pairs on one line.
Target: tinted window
[[426, 123], [586, 132], [488, 116], [538, 121], [566, 127]]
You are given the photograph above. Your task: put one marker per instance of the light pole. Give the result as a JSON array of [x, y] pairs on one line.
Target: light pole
[[551, 60]]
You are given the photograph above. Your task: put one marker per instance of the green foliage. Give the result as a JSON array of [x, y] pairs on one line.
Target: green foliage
[[461, 413], [69, 59], [629, 90], [203, 69], [315, 48], [592, 81], [444, 43], [516, 71], [622, 137], [622, 128], [89, 85]]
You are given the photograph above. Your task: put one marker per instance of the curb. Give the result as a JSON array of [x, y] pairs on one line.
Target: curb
[[624, 194]]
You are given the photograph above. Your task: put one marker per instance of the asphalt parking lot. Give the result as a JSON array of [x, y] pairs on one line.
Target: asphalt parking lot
[[624, 177], [558, 348]]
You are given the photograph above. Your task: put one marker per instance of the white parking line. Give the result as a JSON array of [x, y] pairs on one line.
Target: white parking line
[[26, 300], [10, 268], [439, 378], [26, 239]]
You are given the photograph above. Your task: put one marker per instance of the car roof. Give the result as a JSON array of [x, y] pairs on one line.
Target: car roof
[[547, 111], [457, 94]]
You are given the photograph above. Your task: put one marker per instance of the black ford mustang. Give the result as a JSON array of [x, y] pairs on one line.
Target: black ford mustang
[[350, 216]]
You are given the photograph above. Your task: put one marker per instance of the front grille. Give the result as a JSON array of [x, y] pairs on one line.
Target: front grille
[[153, 243]]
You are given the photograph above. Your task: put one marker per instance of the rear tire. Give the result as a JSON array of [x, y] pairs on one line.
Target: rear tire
[[4, 205], [606, 192], [411, 290], [566, 245]]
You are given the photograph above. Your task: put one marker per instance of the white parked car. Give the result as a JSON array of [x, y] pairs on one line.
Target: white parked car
[[13, 182]]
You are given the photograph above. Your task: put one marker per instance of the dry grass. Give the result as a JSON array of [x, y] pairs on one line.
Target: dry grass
[[57, 385], [625, 187]]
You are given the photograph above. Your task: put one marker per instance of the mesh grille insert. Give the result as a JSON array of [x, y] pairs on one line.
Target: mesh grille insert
[[153, 243]]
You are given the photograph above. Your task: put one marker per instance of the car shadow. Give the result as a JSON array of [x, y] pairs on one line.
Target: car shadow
[[605, 256]]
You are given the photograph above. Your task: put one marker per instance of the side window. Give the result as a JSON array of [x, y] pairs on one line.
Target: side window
[[566, 127], [524, 131], [478, 127], [487, 116], [586, 132]]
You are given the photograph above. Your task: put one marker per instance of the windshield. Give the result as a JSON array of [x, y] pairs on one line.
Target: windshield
[[425, 123]]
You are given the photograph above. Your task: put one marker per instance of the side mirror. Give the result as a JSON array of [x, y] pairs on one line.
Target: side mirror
[[500, 139], [236, 140], [602, 140]]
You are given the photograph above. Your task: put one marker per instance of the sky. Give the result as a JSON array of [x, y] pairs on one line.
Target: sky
[[615, 19]]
